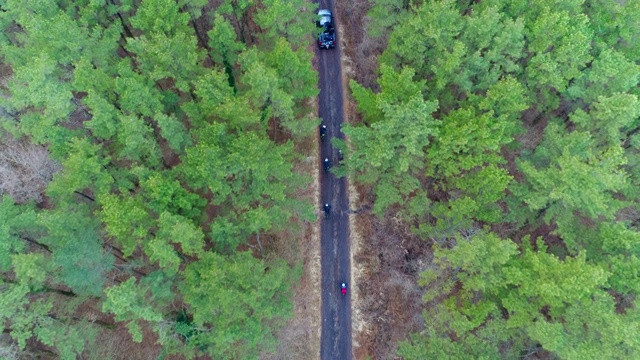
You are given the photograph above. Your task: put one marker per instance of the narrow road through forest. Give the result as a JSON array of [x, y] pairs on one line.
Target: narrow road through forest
[[336, 309]]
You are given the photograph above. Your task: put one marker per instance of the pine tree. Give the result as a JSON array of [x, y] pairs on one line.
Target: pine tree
[[236, 302]]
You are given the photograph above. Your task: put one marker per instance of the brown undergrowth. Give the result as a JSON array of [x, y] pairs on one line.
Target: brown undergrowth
[[390, 259]]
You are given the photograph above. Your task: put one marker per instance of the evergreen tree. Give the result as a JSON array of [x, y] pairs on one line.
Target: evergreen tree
[[236, 302]]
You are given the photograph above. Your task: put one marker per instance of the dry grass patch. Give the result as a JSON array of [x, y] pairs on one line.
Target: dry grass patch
[[25, 169], [390, 299]]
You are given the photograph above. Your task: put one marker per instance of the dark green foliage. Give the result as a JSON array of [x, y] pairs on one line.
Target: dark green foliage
[[77, 256]]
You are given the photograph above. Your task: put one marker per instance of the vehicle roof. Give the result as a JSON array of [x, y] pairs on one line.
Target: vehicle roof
[[325, 17]]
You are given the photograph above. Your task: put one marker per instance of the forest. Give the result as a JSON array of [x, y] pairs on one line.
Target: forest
[[150, 178], [503, 135]]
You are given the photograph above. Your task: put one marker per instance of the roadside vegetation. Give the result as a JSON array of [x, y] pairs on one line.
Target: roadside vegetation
[[153, 177], [498, 148]]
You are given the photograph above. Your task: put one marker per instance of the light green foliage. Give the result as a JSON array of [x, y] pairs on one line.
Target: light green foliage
[[494, 46], [163, 193], [464, 158], [104, 116], [592, 330], [30, 269], [390, 153], [136, 141], [616, 24], [223, 42], [470, 64], [430, 30], [160, 16], [564, 68], [288, 19], [44, 22], [136, 94], [505, 100], [69, 341], [608, 118], [476, 263], [456, 54], [526, 298], [126, 220], [475, 197], [582, 319], [366, 100], [65, 256], [461, 151], [179, 230], [158, 57], [33, 320], [50, 42], [24, 316], [194, 7], [237, 301], [262, 86], [235, 7], [396, 88], [567, 177], [168, 47], [384, 15], [128, 302], [560, 43], [250, 179], [217, 100], [543, 280], [151, 133], [609, 73], [17, 223], [468, 139], [481, 255], [174, 132], [615, 247], [36, 85], [83, 168], [294, 70], [432, 345], [162, 253], [172, 230]]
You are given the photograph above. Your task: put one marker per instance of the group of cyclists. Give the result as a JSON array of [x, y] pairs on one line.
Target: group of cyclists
[[326, 163], [327, 207]]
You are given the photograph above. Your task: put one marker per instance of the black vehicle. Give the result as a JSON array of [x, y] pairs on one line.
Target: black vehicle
[[323, 131], [340, 156], [327, 210], [327, 38], [327, 164]]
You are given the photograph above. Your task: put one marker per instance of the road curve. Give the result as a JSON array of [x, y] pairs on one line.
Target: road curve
[[335, 260]]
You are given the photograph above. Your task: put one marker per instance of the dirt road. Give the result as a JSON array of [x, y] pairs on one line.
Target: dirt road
[[336, 309]]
